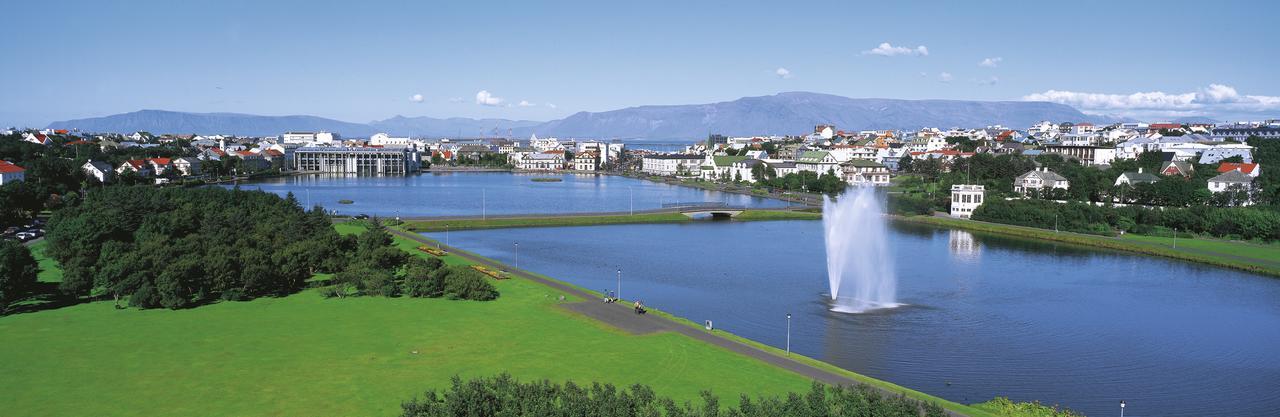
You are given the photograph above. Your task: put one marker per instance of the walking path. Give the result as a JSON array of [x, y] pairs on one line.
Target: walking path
[[620, 315]]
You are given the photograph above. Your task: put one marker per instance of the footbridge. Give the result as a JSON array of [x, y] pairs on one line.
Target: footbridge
[[705, 208]]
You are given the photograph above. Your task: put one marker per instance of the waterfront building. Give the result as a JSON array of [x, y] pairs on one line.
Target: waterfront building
[[865, 172], [671, 164], [541, 161], [357, 160], [965, 198], [586, 161], [820, 162]]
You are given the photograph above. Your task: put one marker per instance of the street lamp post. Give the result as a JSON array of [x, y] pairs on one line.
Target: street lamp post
[[618, 294], [632, 196], [1121, 408], [517, 263], [788, 334], [446, 235], [483, 203]]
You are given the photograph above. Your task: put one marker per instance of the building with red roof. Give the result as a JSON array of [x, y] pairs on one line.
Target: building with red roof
[[1252, 170], [11, 173]]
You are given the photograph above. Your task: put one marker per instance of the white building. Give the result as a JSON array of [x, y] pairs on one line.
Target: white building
[[383, 139], [541, 161], [865, 172], [965, 198], [671, 164], [98, 170], [11, 173], [1039, 179], [586, 161], [356, 160], [1233, 181], [820, 162]]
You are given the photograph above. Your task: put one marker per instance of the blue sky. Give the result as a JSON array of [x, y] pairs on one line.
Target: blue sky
[[372, 60]]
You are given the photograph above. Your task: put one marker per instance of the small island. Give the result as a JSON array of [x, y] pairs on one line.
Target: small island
[[345, 201], [545, 179]]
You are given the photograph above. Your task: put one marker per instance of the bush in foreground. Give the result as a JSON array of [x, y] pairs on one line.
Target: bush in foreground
[[505, 396]]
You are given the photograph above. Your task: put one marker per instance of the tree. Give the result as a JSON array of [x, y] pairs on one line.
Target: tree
[[18, 271], [464, 283], [421, 279]]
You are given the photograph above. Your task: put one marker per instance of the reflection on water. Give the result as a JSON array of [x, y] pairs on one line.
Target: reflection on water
[[964, 247]]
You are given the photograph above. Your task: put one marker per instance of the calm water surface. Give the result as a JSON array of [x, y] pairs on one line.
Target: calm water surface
[[470, 194], [986, 315]]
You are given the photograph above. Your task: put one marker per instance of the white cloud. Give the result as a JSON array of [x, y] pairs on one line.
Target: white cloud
[[783, 73], [1214, 99], [923, 74], [989, 81], [416, 98], [885, 49], [485, 98], [525, 103], [945, 77], [549, 105], [991, 62]]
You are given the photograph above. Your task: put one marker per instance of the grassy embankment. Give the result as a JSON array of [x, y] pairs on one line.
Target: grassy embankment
[[1251, 257], [307, 355], [571, 220]]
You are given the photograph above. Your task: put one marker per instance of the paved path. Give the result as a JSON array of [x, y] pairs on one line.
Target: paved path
[[621, 315]]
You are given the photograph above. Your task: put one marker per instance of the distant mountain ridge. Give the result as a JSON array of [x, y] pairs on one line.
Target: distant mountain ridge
[[784, 113]]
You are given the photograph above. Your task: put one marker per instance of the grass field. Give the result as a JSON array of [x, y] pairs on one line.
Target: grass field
[[1263, 259], [1225, 247], [561, 221], [49, 271], [307, 355]]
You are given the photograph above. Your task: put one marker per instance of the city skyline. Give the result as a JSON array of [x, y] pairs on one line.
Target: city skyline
[[543, 62]]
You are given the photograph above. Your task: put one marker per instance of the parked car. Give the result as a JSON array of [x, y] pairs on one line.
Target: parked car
[[360, 216]]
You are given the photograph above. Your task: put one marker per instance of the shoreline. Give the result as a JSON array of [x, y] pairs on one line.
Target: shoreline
[[810, 367], [1265, 267]]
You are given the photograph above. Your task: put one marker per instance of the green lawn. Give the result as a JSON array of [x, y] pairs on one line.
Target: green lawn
[[307, 355], [49, 270], [1227, 247]]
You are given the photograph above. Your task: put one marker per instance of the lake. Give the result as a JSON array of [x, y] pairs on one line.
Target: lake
[[470, 194], [985, 315]]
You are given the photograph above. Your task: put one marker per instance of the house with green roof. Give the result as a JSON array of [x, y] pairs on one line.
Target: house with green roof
[[718, 166], [820, 162]]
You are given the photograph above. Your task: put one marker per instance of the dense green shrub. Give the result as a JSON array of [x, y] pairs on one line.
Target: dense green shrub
[[464, 283], [423, 279], [505, 396]]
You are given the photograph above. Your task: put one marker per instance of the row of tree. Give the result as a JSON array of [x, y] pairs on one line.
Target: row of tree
[[506, 396]]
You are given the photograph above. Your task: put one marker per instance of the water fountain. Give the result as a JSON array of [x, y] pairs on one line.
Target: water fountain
[[859, 266]]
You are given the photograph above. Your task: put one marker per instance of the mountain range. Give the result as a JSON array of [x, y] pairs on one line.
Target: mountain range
[[783, 113]]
